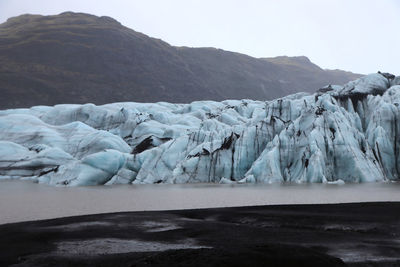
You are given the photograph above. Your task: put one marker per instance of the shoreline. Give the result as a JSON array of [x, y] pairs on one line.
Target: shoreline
[[200, 209], [352, 234], [27, 201]]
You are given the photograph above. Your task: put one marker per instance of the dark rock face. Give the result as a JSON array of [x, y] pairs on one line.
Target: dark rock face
[[80, 58]]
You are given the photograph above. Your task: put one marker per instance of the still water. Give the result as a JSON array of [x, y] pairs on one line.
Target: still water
[[23, 200]]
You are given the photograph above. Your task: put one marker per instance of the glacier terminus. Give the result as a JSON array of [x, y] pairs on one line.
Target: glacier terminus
[[339, 134]]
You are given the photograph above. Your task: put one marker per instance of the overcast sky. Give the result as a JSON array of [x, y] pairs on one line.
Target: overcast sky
[[357, 35]]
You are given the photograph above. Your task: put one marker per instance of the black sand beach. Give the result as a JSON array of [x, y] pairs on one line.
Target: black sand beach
[[361, 234]]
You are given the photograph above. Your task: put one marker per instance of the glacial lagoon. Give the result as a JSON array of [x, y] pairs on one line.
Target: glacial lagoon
[[25, 200]]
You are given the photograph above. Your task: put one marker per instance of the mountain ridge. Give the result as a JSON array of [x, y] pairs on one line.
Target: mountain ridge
[[81, 58]]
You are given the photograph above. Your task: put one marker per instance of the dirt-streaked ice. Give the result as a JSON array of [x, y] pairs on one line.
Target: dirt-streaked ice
[[341, 133]]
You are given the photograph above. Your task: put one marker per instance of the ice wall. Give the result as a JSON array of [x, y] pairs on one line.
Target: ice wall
[[341, 133]]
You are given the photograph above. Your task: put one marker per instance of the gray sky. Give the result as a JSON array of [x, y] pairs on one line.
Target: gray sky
[[357, 35]]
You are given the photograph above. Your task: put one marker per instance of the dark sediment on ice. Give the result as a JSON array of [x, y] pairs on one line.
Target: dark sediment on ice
[[361, 234]]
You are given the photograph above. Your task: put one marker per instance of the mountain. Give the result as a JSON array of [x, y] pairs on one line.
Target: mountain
[[340, 134], [81, 58]]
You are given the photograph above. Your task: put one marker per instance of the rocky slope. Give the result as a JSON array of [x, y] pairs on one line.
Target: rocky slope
[[80, 58], [341, 133]]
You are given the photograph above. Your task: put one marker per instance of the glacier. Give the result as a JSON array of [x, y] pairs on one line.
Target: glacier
[[338, 134]]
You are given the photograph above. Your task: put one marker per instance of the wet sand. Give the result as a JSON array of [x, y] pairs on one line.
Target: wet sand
[[361, 234]]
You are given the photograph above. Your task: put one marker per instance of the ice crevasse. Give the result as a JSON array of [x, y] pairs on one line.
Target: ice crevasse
[[344, 133]]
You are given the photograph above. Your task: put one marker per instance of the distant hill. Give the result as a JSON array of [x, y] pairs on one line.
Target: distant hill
[[80, 58]]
